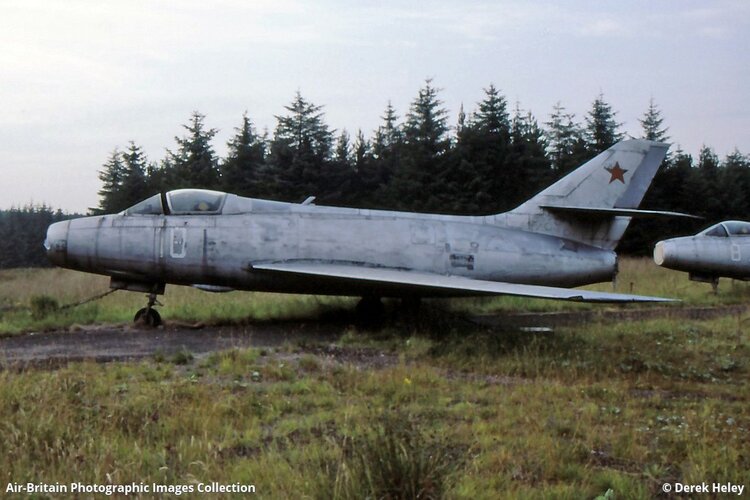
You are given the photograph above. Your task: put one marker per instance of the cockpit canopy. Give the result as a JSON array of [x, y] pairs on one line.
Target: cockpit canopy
[[180, 202], [727, 228]]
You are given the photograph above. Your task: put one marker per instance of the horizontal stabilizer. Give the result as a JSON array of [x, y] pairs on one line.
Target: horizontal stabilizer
[[611, 212], [416, 282]]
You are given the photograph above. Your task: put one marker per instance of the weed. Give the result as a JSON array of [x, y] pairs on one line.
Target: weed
[[309, 363], [42, 306], [182, 357], [392, 458]]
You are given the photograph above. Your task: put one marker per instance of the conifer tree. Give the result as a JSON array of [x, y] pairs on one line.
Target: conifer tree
[[700, 188], [194, 164], [416, 183], [385, 159], [337, 174], [492, 117], [343, 148], [477, 177], [602, 130], [134, 187], [111, 175], [734, 186], [527, 167], [242, 170], [651, 123], [388, 135], [300, 147], [566, 146]]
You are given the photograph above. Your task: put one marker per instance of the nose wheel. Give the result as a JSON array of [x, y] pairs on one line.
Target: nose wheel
[[148, 315]]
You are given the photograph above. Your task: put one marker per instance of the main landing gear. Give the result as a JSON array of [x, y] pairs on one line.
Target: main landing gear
[[370, 312], [148, 315]]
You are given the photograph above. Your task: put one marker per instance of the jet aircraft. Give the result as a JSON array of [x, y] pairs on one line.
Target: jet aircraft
[[563, 237], [722, 250]]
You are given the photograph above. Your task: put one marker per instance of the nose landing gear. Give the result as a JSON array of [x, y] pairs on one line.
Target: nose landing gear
[[148, 315]]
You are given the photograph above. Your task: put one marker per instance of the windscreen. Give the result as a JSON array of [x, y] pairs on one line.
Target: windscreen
[[149, 206], [716, 231]]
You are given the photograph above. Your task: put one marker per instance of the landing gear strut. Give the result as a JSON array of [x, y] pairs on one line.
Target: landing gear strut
[[370, 311], [148, 315]]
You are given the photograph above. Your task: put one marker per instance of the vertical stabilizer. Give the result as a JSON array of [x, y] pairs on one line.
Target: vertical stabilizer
[[615, 179]]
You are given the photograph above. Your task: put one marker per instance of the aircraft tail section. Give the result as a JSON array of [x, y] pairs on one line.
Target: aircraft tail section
[[594, 203]]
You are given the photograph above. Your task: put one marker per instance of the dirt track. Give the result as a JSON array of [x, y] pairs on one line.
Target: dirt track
[[108, 343], [122, 343]]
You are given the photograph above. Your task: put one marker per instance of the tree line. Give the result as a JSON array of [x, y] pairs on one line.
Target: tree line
[[489, 160], [22, 233]]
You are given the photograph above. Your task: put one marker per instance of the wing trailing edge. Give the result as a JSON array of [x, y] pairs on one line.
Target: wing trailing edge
[[416, 281]]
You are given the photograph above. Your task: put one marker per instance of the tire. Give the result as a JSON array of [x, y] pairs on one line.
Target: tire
[[148, 316]]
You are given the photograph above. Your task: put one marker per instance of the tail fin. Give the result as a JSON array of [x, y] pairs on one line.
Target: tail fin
[[594, 203]]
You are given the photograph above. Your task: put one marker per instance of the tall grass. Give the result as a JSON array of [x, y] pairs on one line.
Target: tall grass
[[21, 287], [469, 413]]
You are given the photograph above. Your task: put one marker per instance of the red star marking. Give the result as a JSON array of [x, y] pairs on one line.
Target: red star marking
[[616, 172]]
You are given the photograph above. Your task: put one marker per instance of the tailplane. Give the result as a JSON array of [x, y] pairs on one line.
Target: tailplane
[[594, 203]]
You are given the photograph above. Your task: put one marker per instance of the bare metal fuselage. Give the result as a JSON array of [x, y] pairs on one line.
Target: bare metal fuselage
[[221, 249], [706, 258]]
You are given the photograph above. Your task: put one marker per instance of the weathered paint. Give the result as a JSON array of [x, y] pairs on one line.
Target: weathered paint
[[530, 245], [706, 256]]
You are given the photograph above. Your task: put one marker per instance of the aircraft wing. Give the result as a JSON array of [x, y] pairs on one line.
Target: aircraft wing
[[444, 284]]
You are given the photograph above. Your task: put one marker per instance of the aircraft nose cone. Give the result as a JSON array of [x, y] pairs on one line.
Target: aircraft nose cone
[[56, 243]]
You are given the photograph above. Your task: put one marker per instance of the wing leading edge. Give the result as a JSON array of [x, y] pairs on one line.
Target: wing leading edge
[[416, 281]]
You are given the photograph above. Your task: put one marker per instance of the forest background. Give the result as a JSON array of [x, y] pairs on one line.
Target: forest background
[[488, 161]]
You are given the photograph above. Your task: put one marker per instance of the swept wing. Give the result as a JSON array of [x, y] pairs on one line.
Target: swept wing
[[423, 281]]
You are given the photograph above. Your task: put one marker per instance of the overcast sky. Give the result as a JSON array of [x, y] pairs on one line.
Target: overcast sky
[[79, 78]]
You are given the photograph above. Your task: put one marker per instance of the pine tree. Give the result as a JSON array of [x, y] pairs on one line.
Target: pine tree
[[426, 125], [384, 161], [602, 131], [734, 186], [527, 167], [343, 148], [566, 146], [111, 175], [388, 135], [477, 181], [194, 165], [300, 147], [134, 186], [700, 190], [361, 150], [416, 183], [492, 116], [337, 174], [242, 170], [651, 124]]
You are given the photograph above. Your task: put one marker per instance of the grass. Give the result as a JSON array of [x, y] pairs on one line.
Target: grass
[[455, 410], [32, 293], [35, 294], [638, 276], [471, 414]]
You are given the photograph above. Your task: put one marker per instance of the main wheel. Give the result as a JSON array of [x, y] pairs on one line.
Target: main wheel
[[148, 316]]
